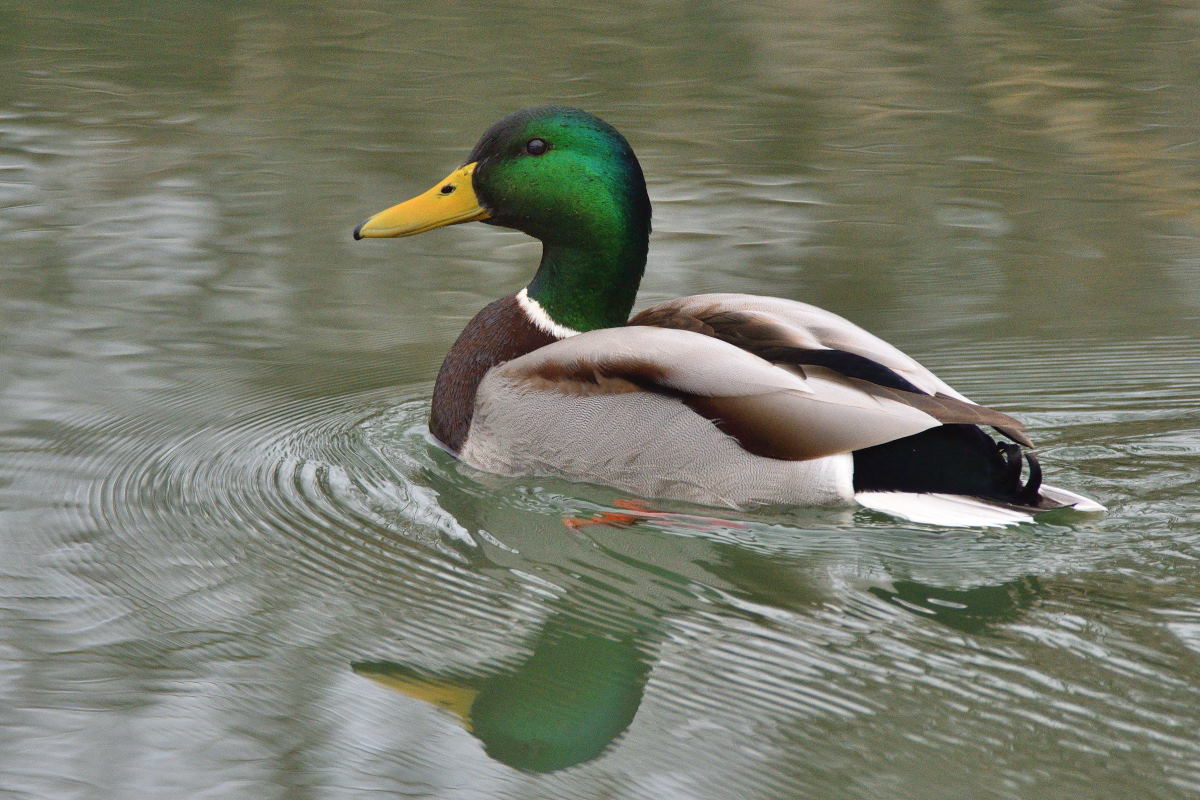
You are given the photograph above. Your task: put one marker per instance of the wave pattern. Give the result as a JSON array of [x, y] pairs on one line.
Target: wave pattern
[[246, 561]]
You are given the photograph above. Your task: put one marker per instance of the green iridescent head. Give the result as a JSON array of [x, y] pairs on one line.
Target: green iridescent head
[[564, 177], [560, 174]]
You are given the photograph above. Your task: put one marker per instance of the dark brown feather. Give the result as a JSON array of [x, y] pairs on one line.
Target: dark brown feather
[[763, 434], [634, 370], [500, 332], [748, 331]]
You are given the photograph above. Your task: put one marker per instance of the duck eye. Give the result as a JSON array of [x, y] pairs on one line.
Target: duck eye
[[535, 147]]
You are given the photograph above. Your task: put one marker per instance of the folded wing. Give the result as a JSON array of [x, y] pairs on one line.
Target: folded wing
[[771, 409], [814, 342]]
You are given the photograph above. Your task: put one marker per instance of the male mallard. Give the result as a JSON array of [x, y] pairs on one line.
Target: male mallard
[[721, 399]]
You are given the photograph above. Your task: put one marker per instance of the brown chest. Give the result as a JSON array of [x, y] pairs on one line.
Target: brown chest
[[500, 332]]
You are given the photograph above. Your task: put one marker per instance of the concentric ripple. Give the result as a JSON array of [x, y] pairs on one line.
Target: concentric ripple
[[250, 545]]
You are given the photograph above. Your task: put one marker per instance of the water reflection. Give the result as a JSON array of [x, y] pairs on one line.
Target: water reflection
[[614, 600], [577, 690], [971, 610], [573, 681], [578, 685]]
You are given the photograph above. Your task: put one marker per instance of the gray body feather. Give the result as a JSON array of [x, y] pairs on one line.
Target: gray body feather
[[639, 442], [616, 406]]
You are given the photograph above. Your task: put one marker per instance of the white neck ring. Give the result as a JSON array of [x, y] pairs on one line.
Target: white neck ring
[[541, 320]]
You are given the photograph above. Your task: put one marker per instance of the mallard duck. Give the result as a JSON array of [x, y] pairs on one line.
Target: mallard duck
[[727, 400]]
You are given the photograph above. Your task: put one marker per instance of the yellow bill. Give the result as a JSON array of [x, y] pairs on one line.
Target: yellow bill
[[450, 201], [455, 697]]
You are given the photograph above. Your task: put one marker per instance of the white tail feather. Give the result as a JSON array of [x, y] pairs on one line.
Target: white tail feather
[[954, 510], [1067, 498], [960, 511]]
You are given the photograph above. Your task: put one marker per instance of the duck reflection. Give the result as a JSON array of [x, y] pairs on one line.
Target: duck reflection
[[575, 693], [968, 610], [614, 594]]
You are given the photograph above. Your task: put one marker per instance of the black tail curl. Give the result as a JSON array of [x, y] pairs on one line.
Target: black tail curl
[[951, 459], [1029, 493]]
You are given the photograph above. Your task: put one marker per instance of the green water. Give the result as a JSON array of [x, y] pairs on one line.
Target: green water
[[232, 564]]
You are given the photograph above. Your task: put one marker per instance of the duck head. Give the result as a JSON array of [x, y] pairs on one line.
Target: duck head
[[562, 176]]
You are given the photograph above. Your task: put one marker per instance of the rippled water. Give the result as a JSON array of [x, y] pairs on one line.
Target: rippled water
[[232, 563]]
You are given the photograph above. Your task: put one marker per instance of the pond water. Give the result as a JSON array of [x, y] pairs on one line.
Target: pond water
[[233, 565]]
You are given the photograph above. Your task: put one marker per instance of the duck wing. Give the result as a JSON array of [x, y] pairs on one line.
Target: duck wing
[[770, 410], [665, 412], [814, 342]]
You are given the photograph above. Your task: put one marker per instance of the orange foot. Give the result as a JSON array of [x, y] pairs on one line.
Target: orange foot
[[614, 518], [640, 510]]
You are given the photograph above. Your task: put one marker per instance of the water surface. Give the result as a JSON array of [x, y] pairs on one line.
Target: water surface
[[232, 564]]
